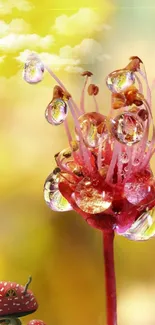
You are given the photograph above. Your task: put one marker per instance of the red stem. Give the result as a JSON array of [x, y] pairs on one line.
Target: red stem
[[110, 281]]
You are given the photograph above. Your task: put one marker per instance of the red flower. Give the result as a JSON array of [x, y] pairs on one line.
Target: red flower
[[105, 173]]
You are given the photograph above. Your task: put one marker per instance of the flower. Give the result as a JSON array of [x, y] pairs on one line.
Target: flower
[[105, 174]]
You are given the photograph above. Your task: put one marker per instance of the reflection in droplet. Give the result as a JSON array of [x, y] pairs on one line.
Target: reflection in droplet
[[93, 127], [119, 80], [127, 128], [143, 228], [33, 69], [58, 202], [53, 197], [138, 187], [90, 199], [56, 111]]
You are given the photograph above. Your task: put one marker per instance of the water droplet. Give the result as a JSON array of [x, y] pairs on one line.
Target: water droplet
[[33, 69], [136, 162], [56, 112], [64, 156], [119, 80], [124, 158], [58, 202], [127, 128], [51, 183], [139, 187], [143, 228], [53, 197], [74, 168], [93, 127], [90, 199]]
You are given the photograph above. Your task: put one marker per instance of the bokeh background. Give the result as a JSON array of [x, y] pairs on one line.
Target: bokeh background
[[61, 252]]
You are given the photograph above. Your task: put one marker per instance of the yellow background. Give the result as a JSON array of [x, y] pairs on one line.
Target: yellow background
[[61, 252]]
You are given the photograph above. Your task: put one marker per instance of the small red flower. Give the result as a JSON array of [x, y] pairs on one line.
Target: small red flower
[[105, 174]]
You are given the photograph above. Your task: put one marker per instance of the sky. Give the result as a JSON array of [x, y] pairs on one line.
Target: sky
[[59, 31]]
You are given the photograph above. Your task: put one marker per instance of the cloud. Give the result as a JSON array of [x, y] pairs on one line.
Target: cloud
[[74, 69], [6, 6], [15, 42], [88, 51], [15, 26], [85, 22], [57, 62], [72, 59]]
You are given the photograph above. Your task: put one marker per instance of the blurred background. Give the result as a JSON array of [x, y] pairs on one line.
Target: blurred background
[[61, 252]]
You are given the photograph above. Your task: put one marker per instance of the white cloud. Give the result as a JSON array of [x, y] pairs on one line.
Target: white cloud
[[14, 42], [57, 62], [88, 51], [85, 22], [74, 69], [2, 58], [6, 6], [72, 59], [15, 26]]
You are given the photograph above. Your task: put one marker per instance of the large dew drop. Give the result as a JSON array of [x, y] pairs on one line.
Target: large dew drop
[[66, 162], [56, 111], [136, 191], [53, 197], [143, 228], [33, 69], [89, 199], [119, 80], [94, 128], [127, 128], [140, 187]]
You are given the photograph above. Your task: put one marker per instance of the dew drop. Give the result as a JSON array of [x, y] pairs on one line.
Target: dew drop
[[33, 69], [63, 157], [139, 187], [127, 128], [58, 202], [119, 80], [124, 158], [90, 199], [56, 111], [143, 228], [126, 169], [136, 162], [93, 127], [51, 183], [53, 197], [74, 168]]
